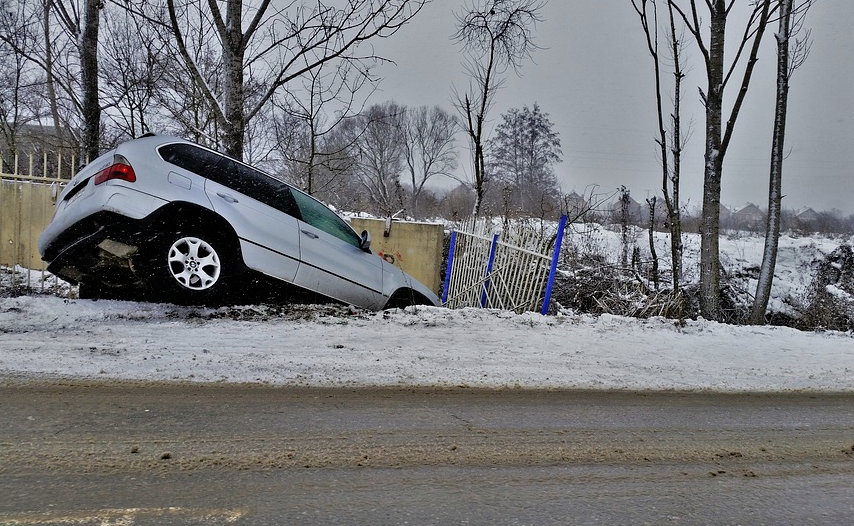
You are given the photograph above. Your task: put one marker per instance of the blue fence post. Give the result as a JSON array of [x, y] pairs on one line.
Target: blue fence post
[[553, 269], [447, 283], [488, 270]]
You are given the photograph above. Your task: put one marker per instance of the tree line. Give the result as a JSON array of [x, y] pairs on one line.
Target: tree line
[[281, 86]]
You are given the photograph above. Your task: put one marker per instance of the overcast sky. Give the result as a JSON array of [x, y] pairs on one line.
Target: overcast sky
[[593, 77]]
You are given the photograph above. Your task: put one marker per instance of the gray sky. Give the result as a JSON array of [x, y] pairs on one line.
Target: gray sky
[[594, 79]]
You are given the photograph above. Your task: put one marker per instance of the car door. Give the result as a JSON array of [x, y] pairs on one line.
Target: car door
[[332, 261], [262, 212]]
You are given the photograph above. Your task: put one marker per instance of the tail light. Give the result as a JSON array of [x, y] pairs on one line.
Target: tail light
[[120, 169]]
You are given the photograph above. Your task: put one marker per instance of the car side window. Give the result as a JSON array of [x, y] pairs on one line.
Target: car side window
[[189, 157], [318, 215], [257, 185]]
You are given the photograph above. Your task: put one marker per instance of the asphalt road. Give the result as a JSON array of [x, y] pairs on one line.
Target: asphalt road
[[138, 454]]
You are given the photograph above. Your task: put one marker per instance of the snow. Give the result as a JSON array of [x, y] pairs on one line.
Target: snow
[[48, 337]]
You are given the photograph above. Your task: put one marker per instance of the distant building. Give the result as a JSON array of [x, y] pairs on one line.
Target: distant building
[[575, 204], [638, 213], [750, 217], [37, 148], [805, 219], [725, 215], [635, 213], [807, 216]]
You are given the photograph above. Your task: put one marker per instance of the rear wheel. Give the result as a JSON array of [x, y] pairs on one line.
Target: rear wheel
[[190, 267]]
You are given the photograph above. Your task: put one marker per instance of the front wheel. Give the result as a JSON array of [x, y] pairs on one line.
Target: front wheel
[[190, 267], [403, 298]]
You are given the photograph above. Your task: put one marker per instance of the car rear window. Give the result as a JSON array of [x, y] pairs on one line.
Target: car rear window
[[189, 157]]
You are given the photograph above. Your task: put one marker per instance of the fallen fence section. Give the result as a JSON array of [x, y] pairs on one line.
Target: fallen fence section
[[514, 273]]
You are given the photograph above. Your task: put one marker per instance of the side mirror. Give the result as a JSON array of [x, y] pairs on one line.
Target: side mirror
[[365, 243]]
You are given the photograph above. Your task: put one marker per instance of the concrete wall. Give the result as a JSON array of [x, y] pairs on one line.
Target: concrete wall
[[416, 248], [26, 208]]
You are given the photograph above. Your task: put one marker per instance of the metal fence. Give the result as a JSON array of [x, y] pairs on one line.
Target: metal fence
[[514, 273]]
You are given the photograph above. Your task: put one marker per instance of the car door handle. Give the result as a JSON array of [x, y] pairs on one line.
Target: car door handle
[[310, 234], [227, 197]]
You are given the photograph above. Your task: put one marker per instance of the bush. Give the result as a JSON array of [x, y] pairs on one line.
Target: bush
[[830, 300]]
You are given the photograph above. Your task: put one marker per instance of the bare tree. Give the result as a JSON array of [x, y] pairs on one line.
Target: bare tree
[[428, 148], [670, 145], [496, 35], [91, 106], [378, 144], [791, 53], [719, 73], [19, 84], [132, 74], [306, 124], [651, 203], [277, 45], [68, 57], [193, 114]]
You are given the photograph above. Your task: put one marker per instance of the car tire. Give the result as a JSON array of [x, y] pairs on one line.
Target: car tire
[[403, 298], [190, 267], [90, 290]]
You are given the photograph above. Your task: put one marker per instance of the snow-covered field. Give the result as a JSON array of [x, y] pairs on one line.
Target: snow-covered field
[[50, 337]]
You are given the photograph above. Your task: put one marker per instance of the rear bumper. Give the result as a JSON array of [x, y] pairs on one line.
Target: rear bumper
[[101, 242]]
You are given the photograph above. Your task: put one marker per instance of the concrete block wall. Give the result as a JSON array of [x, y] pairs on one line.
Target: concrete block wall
[[416, 248], [26, 208]]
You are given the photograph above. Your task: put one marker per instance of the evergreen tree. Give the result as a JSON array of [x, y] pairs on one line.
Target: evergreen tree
[[522, 155]]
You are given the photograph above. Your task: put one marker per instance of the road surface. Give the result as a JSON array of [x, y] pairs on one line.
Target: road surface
[[142, 453]]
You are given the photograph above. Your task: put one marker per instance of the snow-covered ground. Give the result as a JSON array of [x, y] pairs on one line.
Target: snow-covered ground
[[49, 337], [45, 336]]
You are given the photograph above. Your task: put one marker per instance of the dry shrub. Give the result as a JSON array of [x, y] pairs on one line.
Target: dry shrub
[[830, 300]]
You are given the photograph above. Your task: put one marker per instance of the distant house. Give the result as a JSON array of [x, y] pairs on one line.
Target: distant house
[[635, 212], [749, 217], [638, 213], [807, 216], [37, 151], [575, 204], [725, 215], [805, 219]]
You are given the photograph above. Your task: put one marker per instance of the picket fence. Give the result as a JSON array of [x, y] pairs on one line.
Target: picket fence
[[511, 270]]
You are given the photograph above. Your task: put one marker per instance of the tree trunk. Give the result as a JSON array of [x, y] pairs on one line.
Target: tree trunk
[[674, 214], [775, 196], [652, 254], [89, 77], [232, 58], [710, 271], [51, 85]]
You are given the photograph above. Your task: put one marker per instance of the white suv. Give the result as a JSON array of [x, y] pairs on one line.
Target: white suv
[[166, 218]]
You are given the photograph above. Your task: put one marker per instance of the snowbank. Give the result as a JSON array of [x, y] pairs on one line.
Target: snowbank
[[49, 337]]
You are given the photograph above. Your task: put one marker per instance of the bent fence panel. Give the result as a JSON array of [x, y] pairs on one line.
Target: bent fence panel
[[486, 271]]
